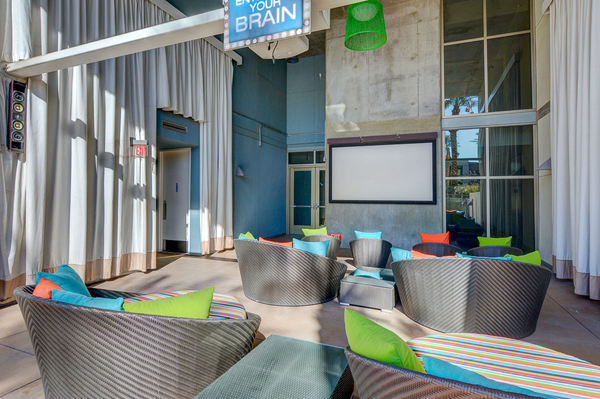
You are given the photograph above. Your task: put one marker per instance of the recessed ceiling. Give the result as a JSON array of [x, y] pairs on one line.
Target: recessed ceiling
[[193, 7]]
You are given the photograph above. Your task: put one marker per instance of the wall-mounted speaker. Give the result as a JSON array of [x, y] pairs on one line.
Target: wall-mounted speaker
[[16, 117]]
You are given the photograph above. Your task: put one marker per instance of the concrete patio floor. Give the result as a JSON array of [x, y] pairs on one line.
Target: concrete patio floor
[[568, 323]]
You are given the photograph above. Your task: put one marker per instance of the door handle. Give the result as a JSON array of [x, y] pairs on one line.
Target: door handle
[[165, 210]]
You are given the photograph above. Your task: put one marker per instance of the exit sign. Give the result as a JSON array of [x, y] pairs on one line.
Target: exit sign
[[249, 22], [140, 150]]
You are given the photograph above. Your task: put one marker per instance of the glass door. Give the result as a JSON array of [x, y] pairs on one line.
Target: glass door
[[307, 198]]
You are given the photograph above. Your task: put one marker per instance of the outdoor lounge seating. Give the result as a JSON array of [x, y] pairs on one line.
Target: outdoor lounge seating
[[86, 352], [494, 251], [496, 297], [334, 244], [283, 276], [437, 249], [370, 254]]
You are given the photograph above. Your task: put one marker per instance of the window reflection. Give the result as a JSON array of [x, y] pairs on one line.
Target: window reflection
[[512, 201], [465, 211], [511, 151], [465, 152], [464, 79], [463, 19], [505, 16]]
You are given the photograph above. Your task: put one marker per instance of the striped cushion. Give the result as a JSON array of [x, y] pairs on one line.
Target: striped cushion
[[515, 362], [223, 306]]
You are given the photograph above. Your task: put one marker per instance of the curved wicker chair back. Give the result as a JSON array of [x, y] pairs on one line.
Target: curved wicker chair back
[[468, 295], [437, 249], [93, 353], [278, 275], [376, 380], [334, 244], [370, 253], [494, 251]]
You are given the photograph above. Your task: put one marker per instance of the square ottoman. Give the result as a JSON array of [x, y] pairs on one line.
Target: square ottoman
[[370, 292]]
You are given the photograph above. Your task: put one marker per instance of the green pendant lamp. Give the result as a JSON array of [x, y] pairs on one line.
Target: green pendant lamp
[[365, 26]]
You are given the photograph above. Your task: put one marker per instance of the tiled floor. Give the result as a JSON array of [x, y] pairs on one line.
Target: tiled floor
[[568, 323]]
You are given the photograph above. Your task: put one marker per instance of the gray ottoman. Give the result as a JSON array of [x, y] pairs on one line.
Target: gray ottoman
[[370, 292]]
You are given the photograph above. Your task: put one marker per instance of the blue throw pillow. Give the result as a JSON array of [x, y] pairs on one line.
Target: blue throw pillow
[[507, 257], [362, 234], [90, 302], [362, 273], [442, 369], [66, 278], [317, 248], [400, 254]]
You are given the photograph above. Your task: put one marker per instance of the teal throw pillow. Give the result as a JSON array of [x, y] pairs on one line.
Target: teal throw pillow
[[66, 278], [442, 369], [400, 254], [362, 234], [507, 257], [317, 248], [88, 301], [362, 273]]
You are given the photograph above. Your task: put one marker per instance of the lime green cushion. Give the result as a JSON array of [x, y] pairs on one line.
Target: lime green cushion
[[195, 305], [495, 242], [370, 340], [315, 232], [247, 236], [534, 258]]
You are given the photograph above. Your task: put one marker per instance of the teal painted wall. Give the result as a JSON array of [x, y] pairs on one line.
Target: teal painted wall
[[259, 97], [306, 104]]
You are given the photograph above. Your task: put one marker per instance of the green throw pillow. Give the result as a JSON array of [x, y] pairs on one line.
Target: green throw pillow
[[495, 242], [247, 236], [370, 340], [315, 232], [533, 258], [195, 305]]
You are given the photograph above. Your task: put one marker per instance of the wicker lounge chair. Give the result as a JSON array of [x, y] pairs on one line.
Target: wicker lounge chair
[[376, 380], [278, 275], [494, 251], [370, 254], [468, 295], [334, 244], [437, 249], [93, 353]]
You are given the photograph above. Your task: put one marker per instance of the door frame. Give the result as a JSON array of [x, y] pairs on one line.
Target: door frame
[[314, 214], [188, 152]]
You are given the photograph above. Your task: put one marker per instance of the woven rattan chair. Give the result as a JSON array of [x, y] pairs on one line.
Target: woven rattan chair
[[278, 275], [93, 353], [334, 244], [494, 251], [376, 380], [437, 249], [370, 254], [468, 295]]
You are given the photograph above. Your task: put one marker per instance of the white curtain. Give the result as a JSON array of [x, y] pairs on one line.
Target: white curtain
[[78, 196], [575, 126]]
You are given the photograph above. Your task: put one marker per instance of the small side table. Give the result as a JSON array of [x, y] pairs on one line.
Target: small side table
[[370, 292]]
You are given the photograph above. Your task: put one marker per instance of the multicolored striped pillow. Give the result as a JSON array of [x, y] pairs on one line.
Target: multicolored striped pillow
[[223, 306]]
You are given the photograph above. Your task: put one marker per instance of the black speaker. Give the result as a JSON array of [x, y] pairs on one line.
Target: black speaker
[[16, 117]]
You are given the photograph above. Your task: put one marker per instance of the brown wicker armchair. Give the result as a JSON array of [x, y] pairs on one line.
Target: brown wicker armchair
[[94, 353]]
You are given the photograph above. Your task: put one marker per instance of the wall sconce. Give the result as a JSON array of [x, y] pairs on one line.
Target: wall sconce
[[239, 172]]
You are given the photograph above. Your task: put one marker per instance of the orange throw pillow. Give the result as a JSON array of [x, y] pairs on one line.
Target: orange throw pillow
[[44, 288], [439, 238], [280, 243], [417, 254]]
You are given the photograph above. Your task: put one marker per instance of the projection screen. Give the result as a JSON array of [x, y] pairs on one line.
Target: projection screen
[[402, 173]]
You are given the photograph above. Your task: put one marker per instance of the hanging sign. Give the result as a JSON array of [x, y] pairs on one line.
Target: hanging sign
[[249, 22]]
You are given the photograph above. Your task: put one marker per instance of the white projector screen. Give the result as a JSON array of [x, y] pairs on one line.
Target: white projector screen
[[402, 173]]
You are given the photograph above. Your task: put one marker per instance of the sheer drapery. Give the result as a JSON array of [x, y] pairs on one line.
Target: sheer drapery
[[78, 196], [575, 127]]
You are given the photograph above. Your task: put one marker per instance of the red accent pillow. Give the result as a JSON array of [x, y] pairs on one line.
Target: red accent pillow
[[450, 211], [44, 288], [436, 238], [280, 243], [417, 254]]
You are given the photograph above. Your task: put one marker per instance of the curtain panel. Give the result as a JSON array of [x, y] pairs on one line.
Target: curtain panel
[[575, 129], [78, 196]]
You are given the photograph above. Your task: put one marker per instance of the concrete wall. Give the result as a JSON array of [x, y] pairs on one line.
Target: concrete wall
[[392, 90], [306, 104], [542, 65], [259, 97]]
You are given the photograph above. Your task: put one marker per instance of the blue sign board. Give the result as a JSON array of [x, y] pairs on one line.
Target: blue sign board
[[249, 22]]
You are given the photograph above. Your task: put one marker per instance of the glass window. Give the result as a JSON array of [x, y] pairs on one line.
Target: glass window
[[506, 16], [463, 19], [320, 156], [466, 211], [465, 152], [511, 151], [296, 158], [321, 197], [513, 204], [302, 197], [509, 73], [464, 78]]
